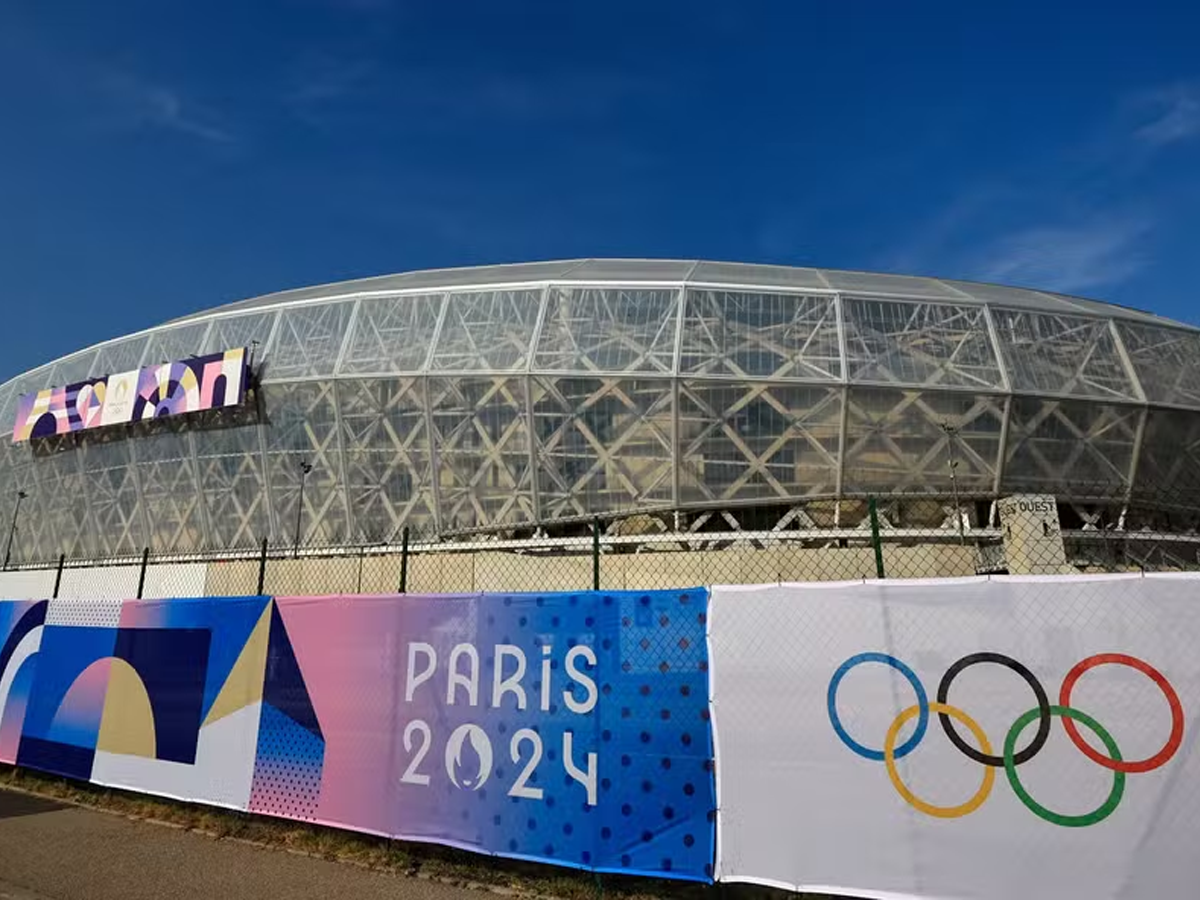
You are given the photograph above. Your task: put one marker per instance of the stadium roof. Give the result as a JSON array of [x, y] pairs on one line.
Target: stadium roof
[[701, 272]]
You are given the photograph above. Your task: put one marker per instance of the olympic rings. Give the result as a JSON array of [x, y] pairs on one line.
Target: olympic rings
[[922, 704], [1011, 759], [1043, 732], [1115, 763], [942, 812], [1101, 812]]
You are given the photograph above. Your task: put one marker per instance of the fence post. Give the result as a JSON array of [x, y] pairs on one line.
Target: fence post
[[262, 568], [62, 561], [875, 542], [596, 554], [142, 575], [404, 560]]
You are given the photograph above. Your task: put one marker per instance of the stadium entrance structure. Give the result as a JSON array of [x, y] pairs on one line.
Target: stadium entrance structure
[[660, 396]]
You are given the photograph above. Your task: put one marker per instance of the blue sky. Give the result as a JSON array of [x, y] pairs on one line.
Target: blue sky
[[160, 157]]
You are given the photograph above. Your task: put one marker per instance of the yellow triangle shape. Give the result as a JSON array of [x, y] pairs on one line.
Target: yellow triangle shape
[[245, 682]]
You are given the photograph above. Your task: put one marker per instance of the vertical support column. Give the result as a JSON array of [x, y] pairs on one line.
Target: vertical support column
[[262, 568], [876, 543], [676, 367], [845, 379], [263, 458], [1006, 382], [142, 575], [596, 554], [530, 433], [435, 470], [404, 560]]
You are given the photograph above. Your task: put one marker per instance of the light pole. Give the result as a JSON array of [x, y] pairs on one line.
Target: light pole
[[305, 468], [21, 495], [951, 433]]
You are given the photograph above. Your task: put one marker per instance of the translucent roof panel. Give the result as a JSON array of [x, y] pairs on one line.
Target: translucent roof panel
[[1056, 354], [1166, 360], [487, 331], [924, 344], [631, 269], [241, 331], [176, 343], [309, 339], [747, 274], [392, 334], [753, 335], [1019, 298], [608, 330], [73, 368], [901, 285], [121, 356]]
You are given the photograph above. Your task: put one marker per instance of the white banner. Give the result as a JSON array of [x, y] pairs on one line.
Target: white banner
[[971, 738]]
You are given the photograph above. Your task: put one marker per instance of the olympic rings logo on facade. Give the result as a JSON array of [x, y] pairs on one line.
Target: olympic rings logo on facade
[[1009, 758]]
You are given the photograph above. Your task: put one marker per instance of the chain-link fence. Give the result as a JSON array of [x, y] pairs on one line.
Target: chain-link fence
[[888, 536]]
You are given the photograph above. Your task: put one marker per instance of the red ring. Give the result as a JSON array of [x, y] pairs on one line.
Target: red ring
[[1128, 766]]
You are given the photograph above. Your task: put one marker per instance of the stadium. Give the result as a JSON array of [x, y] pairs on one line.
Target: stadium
[[507, 401]]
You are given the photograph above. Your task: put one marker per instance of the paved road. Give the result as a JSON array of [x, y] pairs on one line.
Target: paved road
[[49, 851]]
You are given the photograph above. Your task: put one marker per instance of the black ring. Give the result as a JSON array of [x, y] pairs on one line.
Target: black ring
[[1043, 732]]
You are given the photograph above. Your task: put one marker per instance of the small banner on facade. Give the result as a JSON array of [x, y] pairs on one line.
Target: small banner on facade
[[1001, 738], [566, 728], [200, 383]]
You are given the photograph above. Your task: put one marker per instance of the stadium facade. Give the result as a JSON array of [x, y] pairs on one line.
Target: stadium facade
[[509, 398]]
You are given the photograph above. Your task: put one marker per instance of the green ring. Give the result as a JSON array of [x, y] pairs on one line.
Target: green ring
[[1010, 768]]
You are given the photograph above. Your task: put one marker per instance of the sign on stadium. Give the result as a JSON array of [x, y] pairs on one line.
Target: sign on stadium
[[167, 389]]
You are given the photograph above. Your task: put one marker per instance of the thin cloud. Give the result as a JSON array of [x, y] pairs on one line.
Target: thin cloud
[[1067, 258], [159, 106], [1170, 115]]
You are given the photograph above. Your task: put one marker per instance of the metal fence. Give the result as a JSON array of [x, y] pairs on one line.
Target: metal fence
[[872, 537]]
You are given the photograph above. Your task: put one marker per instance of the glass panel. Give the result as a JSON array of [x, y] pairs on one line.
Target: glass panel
[[169, 491], [77, 367], [56, 516], [760, 336], [1169, 462], [482, 451], [120, 356], [1018, 298], [1083, 449], [176, 343], [308, 340], [1061, 355], [876, 283], [232, 480], [608, 330], [392, 334], [740, 441], [923, 344], [19, 473], [390, 483], [603, 444], [303, 430], [488, 331], [753, 274], [1166, 360], [112, 494], [911, 441], [632, 269], [241, 331]]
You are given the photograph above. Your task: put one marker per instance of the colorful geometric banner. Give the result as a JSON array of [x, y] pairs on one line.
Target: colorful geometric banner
[[200, 383], [566, 728], [983, 738]]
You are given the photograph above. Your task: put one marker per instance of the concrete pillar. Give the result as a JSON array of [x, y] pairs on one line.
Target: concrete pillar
[[1033, 541]]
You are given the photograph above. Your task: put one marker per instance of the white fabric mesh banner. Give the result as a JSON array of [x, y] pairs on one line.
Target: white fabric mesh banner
[[971, 738]]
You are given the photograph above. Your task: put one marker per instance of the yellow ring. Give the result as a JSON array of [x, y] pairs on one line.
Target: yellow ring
[[889, 760]]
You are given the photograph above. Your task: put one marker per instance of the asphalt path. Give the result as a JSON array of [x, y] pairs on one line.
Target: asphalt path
[[50, 851]]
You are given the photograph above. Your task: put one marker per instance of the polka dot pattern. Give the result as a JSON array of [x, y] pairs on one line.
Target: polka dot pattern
[[79, 613], [287, 768]]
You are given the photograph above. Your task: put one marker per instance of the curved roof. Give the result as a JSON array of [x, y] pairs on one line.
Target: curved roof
[[698, 272], [738, 321]]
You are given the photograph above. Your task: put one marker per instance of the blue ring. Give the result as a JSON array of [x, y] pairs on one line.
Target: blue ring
[[922, 702]]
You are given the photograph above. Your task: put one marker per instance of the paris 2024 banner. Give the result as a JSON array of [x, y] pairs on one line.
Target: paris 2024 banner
[[975, 738], [567, 728]]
